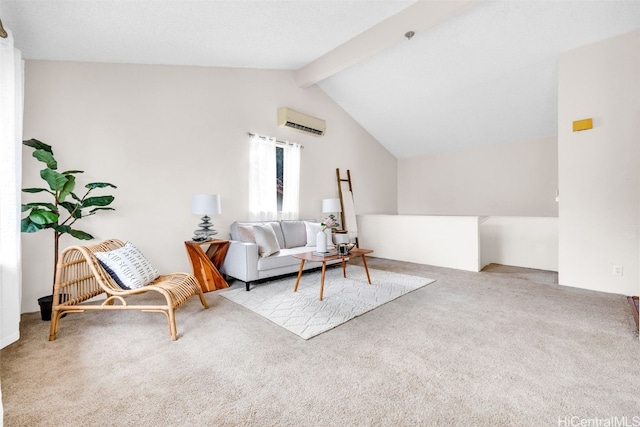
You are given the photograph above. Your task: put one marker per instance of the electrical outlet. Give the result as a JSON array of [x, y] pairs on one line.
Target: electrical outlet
[[617, 270]]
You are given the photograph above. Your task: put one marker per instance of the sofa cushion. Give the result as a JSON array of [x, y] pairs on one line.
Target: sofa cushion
[[245, 233], [283, 259], [266, 240], [278, 231], [238, 232], [295, 233], [312, 229]]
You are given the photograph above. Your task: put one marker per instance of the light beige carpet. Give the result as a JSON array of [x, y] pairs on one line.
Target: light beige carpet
[[504, 347], [305, 315]]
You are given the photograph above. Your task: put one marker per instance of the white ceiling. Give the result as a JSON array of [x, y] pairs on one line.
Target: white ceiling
[[486, 75]]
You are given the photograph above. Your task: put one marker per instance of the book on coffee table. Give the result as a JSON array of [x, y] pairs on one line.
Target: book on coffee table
[[324, 254]]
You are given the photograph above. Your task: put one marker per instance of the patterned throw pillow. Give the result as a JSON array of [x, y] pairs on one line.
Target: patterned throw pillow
[[128, 267]]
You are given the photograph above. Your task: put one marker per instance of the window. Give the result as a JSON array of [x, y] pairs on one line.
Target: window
[[279, 176], [274, 179]]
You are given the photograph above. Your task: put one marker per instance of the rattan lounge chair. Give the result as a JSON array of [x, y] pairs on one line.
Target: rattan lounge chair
[[80, 277]]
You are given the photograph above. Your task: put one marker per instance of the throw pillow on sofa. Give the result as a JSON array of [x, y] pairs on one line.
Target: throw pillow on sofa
[[294, 233], [266, 240], [313, 228], [246, 234]]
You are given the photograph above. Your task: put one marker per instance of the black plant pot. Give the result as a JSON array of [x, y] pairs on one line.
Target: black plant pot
[[46, 305]]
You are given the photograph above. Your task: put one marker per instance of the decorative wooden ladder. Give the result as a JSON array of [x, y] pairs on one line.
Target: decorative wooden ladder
[[348, 214]]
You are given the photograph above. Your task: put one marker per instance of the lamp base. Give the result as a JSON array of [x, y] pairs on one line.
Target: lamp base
[[205, 231]]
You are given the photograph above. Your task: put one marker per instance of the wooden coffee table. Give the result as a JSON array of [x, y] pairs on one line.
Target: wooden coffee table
[[309, 256]]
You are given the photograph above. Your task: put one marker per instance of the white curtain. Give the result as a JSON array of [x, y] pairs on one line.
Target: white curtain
[[291, 181], [263, 201], [10, 183]]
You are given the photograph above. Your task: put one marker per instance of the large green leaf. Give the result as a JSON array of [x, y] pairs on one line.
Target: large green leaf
[[50, 206], [55, 180], [78, 234], [71, 172], [73, 208], [101, 209], [28, 226], [43, 217], [93, 185], [62, 229], [47, 158], [97, 201], [35, 190], [38, 145], [68, 188]]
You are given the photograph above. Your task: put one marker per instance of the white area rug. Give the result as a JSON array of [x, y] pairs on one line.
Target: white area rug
[[305, 315]]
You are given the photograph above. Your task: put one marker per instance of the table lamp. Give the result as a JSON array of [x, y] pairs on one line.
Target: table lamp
[[205, 204], [331, 206]]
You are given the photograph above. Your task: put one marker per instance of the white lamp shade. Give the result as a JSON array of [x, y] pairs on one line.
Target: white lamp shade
[[205, 204], [331, 205]]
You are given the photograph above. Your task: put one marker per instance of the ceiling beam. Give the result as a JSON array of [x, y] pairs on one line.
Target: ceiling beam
[[418, 17]]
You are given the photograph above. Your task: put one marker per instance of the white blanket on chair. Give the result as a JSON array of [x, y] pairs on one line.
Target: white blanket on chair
[[349, 211]]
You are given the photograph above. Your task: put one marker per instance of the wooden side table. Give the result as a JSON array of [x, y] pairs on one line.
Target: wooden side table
[[205, 263]]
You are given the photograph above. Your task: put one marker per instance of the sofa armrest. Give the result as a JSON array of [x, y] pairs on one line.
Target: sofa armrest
[[241, 261]]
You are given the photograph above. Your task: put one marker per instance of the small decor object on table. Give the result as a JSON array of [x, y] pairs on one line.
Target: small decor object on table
[[330, 222], [321, 237], [325, 254], [328, 205], [344, 248], [321, 242]]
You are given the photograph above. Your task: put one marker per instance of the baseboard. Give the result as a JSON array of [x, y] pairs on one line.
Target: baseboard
[[9, 339], [634, 308]]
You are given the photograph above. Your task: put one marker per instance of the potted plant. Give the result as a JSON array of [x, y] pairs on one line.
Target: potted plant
[[62, 210]]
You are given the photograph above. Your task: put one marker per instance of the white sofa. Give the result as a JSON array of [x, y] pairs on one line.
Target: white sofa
[[249, 262]]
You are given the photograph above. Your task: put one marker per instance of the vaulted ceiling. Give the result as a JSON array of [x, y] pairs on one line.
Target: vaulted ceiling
[[475, 72]]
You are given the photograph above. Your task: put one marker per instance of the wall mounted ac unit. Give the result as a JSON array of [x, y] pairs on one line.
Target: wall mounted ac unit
[[301, 122]]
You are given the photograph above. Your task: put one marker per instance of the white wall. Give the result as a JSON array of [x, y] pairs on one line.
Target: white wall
[[530, 242], [161, 133], [496, 180], [443, 241], [599, 175]]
